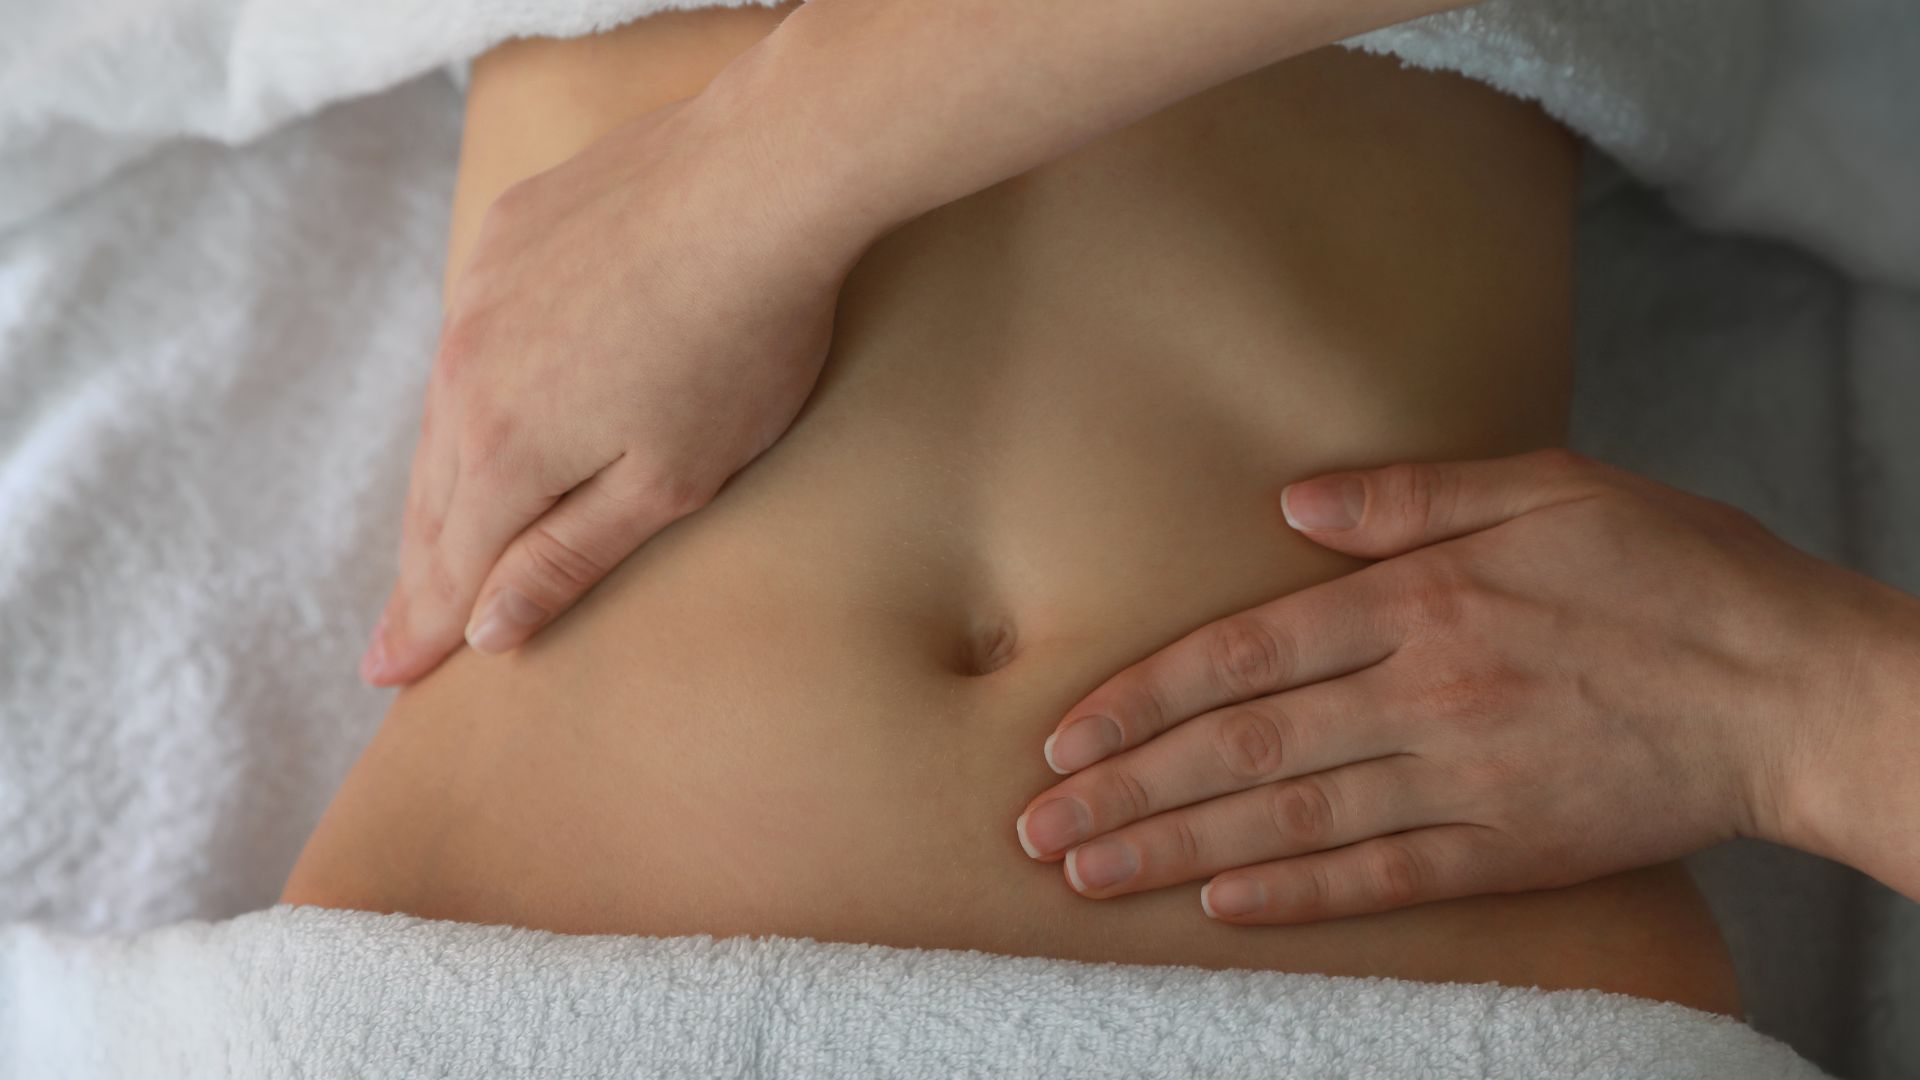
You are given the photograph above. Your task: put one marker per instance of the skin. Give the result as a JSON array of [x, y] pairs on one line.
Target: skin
[[1560, 670], [847, 119], [712, 240], [583, 398], [1044, 444], [549, 454]]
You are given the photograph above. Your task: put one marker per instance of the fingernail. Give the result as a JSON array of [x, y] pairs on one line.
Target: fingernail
[[1335, 502], [502, 625], [1232, 896], [373, 662], [1052, 826], [1081, 743], [1101, 864]]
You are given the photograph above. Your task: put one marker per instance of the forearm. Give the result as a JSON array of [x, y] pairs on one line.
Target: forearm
[[870, 112]]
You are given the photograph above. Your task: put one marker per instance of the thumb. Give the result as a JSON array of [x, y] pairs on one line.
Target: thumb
[[567, 550], [1379, 513]]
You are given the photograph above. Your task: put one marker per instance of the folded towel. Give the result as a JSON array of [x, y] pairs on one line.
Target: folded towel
[[1790, 119], [306, 991]]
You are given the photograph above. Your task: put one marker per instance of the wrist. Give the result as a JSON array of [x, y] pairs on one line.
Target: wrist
[[816, 191], [1846, 783]]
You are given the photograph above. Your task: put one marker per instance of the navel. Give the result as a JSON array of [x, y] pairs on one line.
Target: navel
[[988, 645]]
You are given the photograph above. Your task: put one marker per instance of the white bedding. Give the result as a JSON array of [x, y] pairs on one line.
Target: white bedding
[[299, 992], [220, 232]]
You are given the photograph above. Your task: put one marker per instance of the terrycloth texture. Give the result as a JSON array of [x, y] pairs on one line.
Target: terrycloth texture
[[1793, 119], [305, 991], [1758, 115], [87, 88], [211, 361]]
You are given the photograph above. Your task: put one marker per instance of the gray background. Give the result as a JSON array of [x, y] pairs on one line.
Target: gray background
[[1749, 372]]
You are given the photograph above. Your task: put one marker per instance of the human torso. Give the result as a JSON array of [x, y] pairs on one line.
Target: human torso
[[1046, 443]]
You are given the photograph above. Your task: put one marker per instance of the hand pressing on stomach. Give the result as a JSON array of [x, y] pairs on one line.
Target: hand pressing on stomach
[[633, 327], [1559, 671], [641, 321]]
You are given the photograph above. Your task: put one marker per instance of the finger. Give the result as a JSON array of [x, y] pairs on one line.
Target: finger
[[1378, 513], [1437, 863], [431, 479], [556, 559], [486, 513], [1292, 817], [1309, 730], [1318, 633]]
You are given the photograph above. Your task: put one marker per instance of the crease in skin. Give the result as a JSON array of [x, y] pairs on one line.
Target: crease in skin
[[1049, 440]]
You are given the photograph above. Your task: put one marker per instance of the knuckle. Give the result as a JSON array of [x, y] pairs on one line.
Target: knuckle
[[1494, 778], [1130, 794], [1187, 846], [460, 342], [1471, 692], [440, 581], [1560, 460], [1136, 703], [1251, 741], [1435, 600], [1399, 875], [1483, 779], [1503, 684], [1155, 694], [1300, 814], [1313, 892], [486, 443], [667, 496], [1419, 494], [510, 206], [1248, 656], [557, 568], [396, 618]]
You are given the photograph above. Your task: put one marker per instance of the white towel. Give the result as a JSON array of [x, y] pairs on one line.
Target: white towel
[[1793, 118], [1797, 119], [297, 992]]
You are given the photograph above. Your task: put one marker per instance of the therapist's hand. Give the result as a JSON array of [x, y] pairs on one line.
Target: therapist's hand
[[1560, 670], [634, 326]]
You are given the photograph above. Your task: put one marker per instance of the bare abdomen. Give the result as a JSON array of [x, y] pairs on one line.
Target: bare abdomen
[[1045, 445]]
